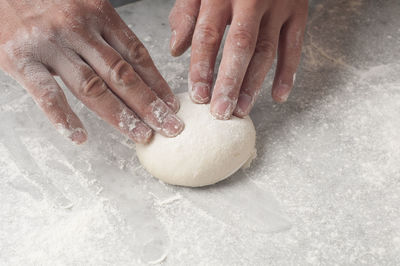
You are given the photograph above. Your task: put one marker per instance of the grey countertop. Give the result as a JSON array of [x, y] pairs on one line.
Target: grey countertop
[[324, 190], [117, 3]]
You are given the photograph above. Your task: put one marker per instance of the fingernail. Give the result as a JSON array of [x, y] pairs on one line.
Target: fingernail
[[172, 102], [172, 42], [172, 126], [200, 92], [243, 105], [78, 135], [222, 108], [281, 93], [141, 134]]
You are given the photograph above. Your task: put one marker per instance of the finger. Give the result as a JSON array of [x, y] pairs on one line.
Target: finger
[[182, 20], [207, 38], [259, 66], [125, 42], [87, 86], [238, 50], [130, 88], [289, 54], [51, 99]]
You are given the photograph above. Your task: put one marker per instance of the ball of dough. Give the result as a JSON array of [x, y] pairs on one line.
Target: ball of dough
[[207, 151]]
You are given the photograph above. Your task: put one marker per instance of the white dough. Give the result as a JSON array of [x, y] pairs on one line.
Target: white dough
[[207, 151]]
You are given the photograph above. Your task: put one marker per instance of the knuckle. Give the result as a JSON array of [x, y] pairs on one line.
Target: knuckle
[[13, 56], [93, 87], [243, 38], [266, 48], [20, 55], [207, 35], [51, 38], [122, 74], [138, 54], [230, 81], [99, 3], [69, 17], [99, 6], [229, 87], [255, 7], [75, 15], [201, 71]]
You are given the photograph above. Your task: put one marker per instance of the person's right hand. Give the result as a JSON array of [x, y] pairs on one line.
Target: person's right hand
[[259, 31], [96, 55]]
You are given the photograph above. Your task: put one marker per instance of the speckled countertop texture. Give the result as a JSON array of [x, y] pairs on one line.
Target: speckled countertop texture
[[324, 190]]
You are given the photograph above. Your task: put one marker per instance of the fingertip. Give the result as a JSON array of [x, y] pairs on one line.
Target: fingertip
[[142, 134], [239, 114], [174, 44], [179, 48], [146, 139], [174, 53], [146, 136], [280, 94], [172, 102], [79, 136], [181, 36], [222, 108], [220, 116], [200, 93], [243, 106], [172, 126]]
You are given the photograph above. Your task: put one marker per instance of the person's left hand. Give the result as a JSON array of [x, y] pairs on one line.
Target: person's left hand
[[259, 28]]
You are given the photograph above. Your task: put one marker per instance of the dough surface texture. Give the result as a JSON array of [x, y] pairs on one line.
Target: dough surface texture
[[206, 152]]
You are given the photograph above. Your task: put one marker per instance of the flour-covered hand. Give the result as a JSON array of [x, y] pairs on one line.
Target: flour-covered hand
[[259, 29], [96, 55]]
